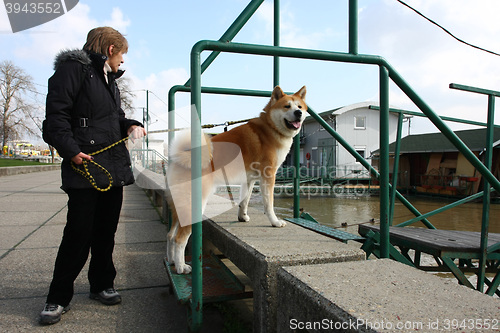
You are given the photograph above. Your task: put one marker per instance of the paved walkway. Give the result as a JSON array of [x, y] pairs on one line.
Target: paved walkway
[[32, 217]]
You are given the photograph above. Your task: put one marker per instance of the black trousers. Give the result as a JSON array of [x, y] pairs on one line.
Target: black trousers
[[90, 228]]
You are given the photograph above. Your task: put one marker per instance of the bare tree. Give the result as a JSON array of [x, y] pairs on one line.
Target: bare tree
[[15, 110], [126, 95]]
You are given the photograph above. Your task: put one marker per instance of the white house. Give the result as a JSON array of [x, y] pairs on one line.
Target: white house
[[358, 124]]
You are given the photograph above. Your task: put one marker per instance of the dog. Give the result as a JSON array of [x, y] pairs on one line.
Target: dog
[[262, 142]]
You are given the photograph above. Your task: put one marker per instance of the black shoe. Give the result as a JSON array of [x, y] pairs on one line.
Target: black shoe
[[108, 296], [52, 313]]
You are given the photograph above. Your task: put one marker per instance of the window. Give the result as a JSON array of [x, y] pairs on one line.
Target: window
[[361, 151], [359, 122]]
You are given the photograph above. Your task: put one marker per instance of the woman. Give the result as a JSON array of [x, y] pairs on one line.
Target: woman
[[83, 115]]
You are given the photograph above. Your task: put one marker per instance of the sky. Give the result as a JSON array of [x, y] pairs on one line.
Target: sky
[[162, 33]]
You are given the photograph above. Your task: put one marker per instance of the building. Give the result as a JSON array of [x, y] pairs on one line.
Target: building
[[430, 163], [320, 154]]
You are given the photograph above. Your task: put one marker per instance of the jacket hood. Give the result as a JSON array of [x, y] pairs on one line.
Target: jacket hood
[[72, 55], [84, 57]]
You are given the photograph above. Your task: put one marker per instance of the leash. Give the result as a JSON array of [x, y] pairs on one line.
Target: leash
[[86, 173], [226, 124]]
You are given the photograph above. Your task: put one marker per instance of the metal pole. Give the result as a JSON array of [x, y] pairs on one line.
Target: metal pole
[[488, 157], [147, 117], [276, 59], [196, 315], [232, 31], [420, 114], [395, 168], [171, 136], [171, 115], [441, 209], [353, 26], [296, 178], [384, 162], [144, 151]]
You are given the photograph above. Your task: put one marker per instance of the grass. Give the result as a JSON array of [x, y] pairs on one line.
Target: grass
[[10, 162]]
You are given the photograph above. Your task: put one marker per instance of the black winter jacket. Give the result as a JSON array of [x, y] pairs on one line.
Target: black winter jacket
[[83, 114]]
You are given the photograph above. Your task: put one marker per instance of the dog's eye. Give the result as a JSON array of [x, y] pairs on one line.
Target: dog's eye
[[287, 106], [300, 106]]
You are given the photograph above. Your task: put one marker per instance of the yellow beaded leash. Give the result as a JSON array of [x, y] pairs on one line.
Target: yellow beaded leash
[[85, 172]]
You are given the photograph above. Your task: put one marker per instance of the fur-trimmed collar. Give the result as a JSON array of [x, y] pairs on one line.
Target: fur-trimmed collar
[[84, 57], [75, 55]]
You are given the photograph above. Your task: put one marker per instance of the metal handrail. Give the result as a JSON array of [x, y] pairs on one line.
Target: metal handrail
[[386, 72]]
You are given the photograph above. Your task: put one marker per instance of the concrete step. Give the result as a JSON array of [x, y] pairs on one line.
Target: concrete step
[[379, 296], [259, 250]]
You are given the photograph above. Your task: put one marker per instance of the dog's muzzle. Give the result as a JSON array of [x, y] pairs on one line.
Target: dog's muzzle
[[294, 125]]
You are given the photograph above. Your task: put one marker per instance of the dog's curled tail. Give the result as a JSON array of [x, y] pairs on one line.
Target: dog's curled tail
[[180, 150]]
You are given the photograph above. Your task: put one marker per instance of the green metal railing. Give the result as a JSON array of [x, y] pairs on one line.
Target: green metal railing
[[150, 159], [386, 73]]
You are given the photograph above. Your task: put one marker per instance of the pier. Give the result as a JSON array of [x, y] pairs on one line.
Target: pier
[[33, 214], [318, 278], [300, 277], [445, 246]]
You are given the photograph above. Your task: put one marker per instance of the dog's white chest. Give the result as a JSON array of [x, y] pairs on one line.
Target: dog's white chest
[[283, 151]]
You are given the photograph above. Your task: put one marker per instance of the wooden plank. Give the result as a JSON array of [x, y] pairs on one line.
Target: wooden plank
[[325, 230], [442, 240], [219, 283]]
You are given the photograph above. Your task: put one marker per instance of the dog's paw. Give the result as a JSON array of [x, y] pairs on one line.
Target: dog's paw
[[243, 218], [183, 269], [278, 223]]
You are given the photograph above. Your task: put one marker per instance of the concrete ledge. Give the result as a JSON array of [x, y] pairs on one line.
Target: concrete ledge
[[16, 170], [259, 250], [378, 296]]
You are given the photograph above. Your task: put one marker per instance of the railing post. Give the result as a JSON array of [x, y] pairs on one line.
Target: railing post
[[196, 314], [296, 139], [384, 162], [395, 168], [171, 115], [231, 32], [353, 26], [488, 157], [276, 59], [296, 178]]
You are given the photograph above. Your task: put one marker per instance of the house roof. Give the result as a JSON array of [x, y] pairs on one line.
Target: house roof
[[344, 109], [361, 105], [324, 114], [437, 142]]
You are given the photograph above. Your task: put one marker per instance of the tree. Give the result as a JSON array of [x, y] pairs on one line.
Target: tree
[[126, 95], [15, 111]]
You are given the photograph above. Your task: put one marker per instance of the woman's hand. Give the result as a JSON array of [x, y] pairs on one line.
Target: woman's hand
[[78, 159], [136, 132]]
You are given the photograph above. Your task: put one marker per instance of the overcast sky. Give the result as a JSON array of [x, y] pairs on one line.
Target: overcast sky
[[161, 34]]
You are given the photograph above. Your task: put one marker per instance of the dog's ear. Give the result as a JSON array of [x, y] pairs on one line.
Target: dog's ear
[[276, 95], [301, 93]]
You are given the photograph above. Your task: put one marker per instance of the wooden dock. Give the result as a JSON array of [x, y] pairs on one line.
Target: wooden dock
[[446, 246]]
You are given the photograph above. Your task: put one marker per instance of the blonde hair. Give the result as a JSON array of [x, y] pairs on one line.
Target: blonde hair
[[100, 39]]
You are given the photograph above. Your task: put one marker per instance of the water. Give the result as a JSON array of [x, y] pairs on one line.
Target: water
[[354, 210]]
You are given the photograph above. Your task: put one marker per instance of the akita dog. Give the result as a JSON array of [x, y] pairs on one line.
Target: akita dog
[[262, 142]]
